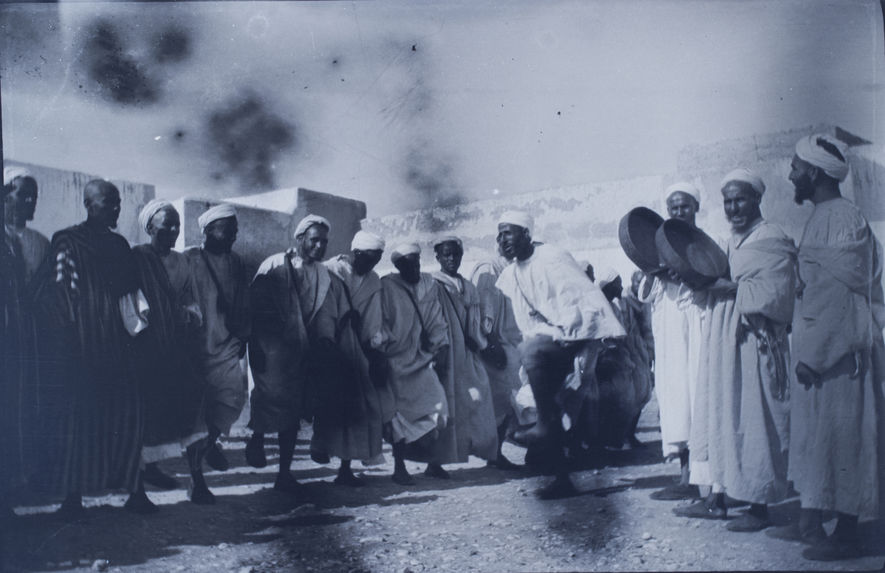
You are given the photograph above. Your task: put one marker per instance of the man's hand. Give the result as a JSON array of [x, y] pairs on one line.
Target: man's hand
[[806, 376], [723, 287], [495, 355]]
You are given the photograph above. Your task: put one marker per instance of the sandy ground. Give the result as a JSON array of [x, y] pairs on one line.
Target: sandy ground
[[482, 519]]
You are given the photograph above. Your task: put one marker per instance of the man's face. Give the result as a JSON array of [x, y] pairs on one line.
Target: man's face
[[409, 267], [21, 203], [449, 255], [613, 289], [312, 244], [164, 228], [634, 282], [221, 234], [802, 180], [513, 240], [104, 206], [365, 261], [682, 206], [741, 204]]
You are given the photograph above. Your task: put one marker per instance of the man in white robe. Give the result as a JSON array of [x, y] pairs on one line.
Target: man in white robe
[[837, 435], [740, 423], [562, 316], [676, 325]]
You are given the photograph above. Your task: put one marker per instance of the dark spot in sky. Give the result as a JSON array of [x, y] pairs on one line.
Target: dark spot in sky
[[121, 78], [179, 134], [172, 45], [558, 113], [414, 47], [433, 179], [335, 62], [247, 138]]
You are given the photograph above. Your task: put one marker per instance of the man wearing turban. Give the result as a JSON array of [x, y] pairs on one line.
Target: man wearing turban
[[740, 423], [351, 425], [417, 350], [167, 352], [293, 329], [676, 324], [563, 316], [222, 291], [836, 426], [471, 428]]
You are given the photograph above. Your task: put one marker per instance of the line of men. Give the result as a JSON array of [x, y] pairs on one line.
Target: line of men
[[773, 376], [430, 362]]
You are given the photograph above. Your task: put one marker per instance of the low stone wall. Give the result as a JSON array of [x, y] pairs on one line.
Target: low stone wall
[[584, 218]]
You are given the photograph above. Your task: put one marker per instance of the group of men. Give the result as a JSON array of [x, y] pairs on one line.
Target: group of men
[[771, 378], [123, 357]]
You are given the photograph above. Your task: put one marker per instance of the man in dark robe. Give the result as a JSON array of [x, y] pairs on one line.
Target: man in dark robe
[[351, 426], [170, 384], [471, 428], [88, 309], [13, 379], [417, 351], [222, 291], [292, 341], [20, 195]]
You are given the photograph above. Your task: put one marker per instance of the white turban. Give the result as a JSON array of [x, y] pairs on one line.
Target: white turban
[[809, 150], [308, 222], [366, 241], [683, 187], [403, 250], [448, 239], [606, 276], [152, 208], [518, 218], [13, 172], [746, 176], [222, 211]]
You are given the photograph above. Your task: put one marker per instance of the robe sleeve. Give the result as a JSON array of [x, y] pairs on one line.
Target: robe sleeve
[[434, 320], [769, 289], [475, 329], [488, 301]]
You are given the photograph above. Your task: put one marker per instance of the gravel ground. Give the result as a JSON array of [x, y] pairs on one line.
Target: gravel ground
[[482, 519]]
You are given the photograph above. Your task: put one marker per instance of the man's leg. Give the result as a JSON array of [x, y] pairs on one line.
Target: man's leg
[[199, 491], [807, 529], [138, 501], [501, 462], [400, 473], [214, 456], [683, 489], [844, 543], [285, 480], [547, 363], [346, 477], [255, 455], [155, 476]]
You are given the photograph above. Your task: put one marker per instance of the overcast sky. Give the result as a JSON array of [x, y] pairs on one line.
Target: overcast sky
[[402, 104]]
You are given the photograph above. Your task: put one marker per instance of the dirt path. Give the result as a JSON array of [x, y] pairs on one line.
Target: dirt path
[[480, 520]]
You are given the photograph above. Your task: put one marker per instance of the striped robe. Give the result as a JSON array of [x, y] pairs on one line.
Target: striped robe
[[90, 409]]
